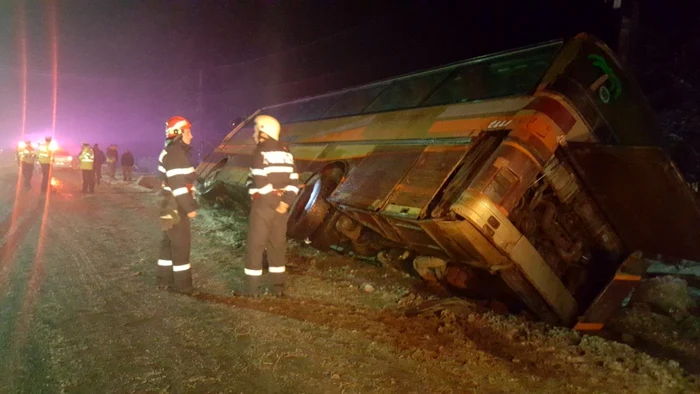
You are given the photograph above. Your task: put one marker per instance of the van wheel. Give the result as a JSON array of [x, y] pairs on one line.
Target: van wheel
[[311, 207]]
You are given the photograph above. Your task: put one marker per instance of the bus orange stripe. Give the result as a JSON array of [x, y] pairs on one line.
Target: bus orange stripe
[[588, 326], [628, 277]]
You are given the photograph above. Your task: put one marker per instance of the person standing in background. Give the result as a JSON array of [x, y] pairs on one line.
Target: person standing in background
[[127, 165], [99, 161], [112, 158], [87, 163]]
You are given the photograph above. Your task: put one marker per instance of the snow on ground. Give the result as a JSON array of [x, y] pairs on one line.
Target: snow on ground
[[80, 312]]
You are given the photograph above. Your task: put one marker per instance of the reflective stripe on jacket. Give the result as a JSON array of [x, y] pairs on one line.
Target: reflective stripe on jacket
[[273, 171], [27, 156], [44, 154], [87, 159], [178, 174]]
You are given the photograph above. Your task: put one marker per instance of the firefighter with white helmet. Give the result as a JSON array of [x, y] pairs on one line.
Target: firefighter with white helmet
[[272, 185], [177, 207]]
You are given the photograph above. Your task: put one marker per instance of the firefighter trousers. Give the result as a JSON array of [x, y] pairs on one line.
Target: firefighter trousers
[[127, 171], [174, 259], [27, 172], [267, 231], [45, 176], [111, 169], [98, 172], [88, 181]]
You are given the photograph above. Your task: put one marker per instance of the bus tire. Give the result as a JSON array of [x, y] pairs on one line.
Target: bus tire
[[310, 209], [209, 185], [327, 237]]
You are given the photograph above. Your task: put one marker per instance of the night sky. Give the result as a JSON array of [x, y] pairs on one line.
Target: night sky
[[126, 65]]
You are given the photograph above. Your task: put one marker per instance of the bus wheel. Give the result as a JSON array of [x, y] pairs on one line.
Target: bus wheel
[[210, 184], [311, 208], [327, 237]]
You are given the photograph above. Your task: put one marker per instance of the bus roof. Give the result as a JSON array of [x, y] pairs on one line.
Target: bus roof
[[507, 73]]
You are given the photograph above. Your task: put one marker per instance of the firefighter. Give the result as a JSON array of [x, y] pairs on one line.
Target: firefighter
[[127, 165], [45, 158], [112, 158], [87, 165], [273, 187], [177, 207], [27, 157], [99, 160]]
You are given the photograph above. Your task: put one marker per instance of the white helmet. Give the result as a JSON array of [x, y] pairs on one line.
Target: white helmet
[[268, 125]]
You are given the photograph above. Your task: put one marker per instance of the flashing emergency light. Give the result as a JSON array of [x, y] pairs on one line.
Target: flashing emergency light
[[53, 146], [22, 145]]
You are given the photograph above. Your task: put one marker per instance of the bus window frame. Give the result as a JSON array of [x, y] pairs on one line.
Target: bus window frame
[[451, 69]]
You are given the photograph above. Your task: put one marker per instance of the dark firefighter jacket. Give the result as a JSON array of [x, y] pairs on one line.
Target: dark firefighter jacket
[[273, 172], [177, 175], [100, 157], [128, 159]]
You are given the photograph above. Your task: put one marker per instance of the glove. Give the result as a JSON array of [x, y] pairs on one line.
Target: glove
[[169, 215], [169, 220]]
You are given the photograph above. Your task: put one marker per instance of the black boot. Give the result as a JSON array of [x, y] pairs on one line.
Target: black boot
[[165, 276], [183, 279], [277, 280], [251, 287]]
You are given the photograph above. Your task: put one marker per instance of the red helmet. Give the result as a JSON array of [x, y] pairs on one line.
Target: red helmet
[[176, 126]]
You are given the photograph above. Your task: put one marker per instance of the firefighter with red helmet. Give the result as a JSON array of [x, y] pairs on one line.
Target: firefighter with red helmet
[[177, 207], [273, 188]]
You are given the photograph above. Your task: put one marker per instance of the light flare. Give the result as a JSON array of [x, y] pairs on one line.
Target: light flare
[[54, 69], [27, 311], [22, 34]]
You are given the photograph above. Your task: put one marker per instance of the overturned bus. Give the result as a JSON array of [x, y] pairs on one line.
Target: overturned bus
[[536, 173]]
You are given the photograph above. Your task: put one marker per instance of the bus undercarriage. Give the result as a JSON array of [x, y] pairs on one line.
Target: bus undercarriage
[[590, 208]]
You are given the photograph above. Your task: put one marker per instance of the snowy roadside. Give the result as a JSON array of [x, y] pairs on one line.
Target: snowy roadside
[[392, 308], [466, 325]]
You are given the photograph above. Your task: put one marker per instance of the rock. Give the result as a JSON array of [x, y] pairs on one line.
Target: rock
[[335, 376], [575, 360], [367, 288], [430, 354], [498, 307], [690, 327], [628, 338], [667, 295], [513, 334]]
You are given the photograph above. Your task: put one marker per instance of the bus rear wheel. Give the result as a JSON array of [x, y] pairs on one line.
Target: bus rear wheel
[[208, 186], [311, 207]]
